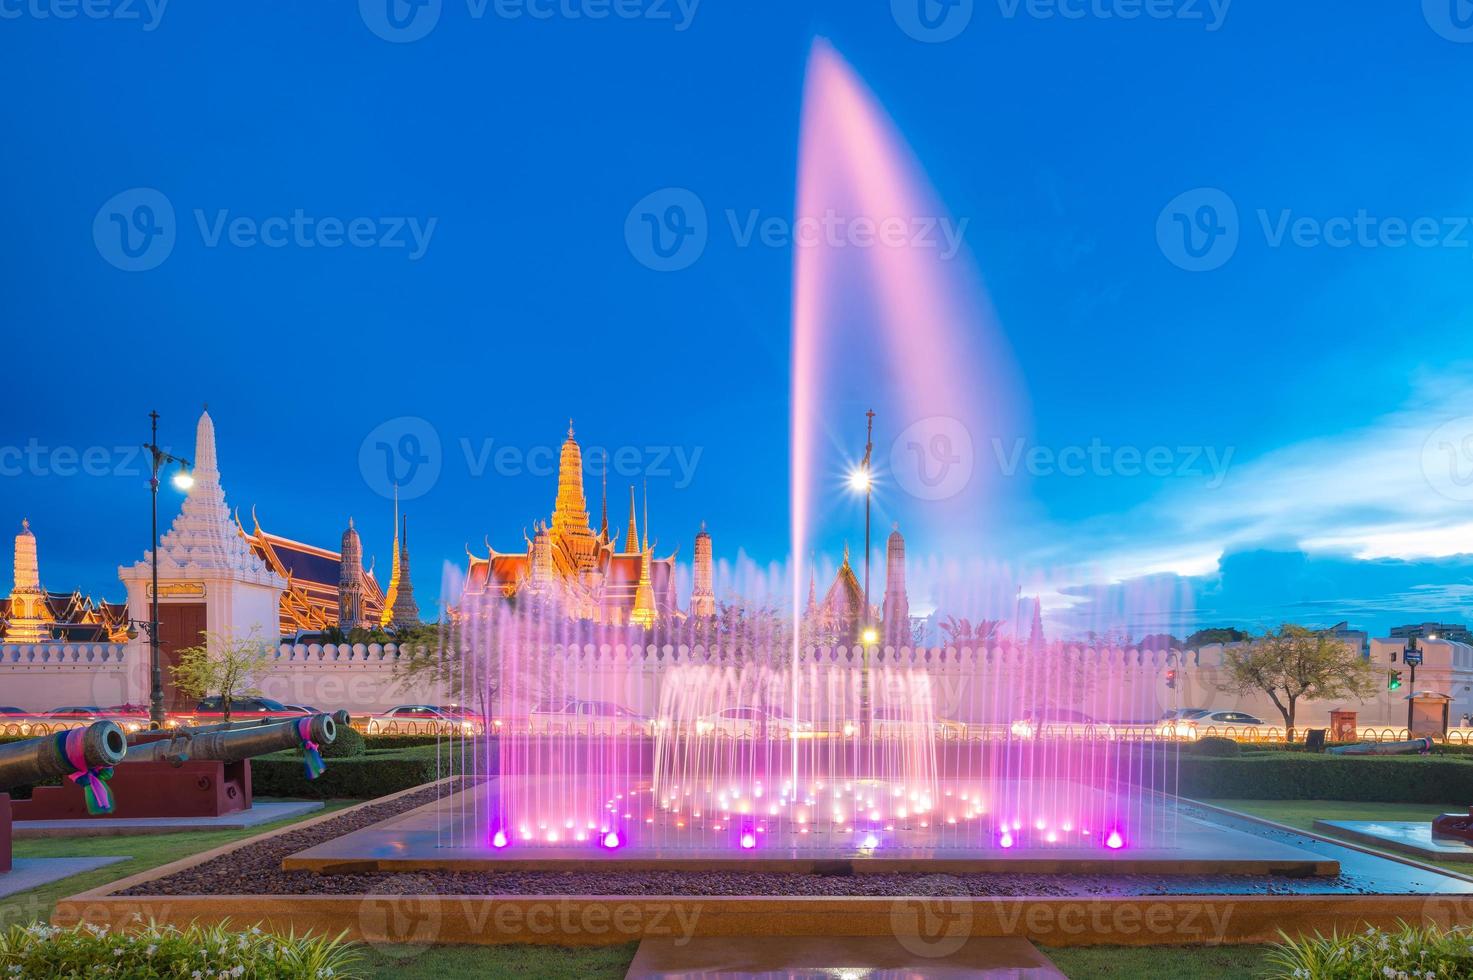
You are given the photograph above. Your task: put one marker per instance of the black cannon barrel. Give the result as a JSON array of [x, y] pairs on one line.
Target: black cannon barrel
[[36, 760], [234, 744]]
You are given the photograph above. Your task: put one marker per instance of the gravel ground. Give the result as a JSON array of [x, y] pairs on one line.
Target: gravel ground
[[257, 871]]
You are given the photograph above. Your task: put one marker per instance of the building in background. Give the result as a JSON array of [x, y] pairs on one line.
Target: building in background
[[33, 614], [1454, 632], [585, 574], [315, 577]]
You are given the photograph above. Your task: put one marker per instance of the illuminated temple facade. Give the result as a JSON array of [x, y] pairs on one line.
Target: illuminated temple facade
[[327, 589], [592, 576], [33, 614]]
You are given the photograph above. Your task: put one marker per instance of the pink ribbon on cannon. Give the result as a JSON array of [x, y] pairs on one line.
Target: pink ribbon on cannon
[[95, 793], [311, 753]]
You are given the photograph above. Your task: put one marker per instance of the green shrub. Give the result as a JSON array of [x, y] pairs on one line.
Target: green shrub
[[348, 743], [1305, 776], [355, 778], [40, 950], [1212, 745], [1410, 951], [380, 740]]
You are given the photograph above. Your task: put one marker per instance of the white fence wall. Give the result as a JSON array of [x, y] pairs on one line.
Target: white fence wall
[[971, 685]]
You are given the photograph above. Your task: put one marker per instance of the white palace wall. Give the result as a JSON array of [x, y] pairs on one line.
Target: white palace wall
[[993, 685]]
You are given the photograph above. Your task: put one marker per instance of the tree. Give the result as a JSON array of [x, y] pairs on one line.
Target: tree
[[224, 665], [1297, 664], [1159, 641], [1224, 635], [961, 632]]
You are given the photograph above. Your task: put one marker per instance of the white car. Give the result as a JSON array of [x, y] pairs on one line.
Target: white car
[[424, 719], [1193, 723], [752, 722], [580, 716]]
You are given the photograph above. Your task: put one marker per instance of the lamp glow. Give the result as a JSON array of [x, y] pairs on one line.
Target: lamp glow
[[183, 479], [859, 479], [611, 840], [1114, 842], [870, 636], [498, 840], [749, 841]]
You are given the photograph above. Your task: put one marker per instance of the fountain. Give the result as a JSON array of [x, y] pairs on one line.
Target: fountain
[[759, 741]]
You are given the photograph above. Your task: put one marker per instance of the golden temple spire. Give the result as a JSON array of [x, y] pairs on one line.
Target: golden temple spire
[[570, 513], [646, 515], [603, 527], [631, 538], [386, 618]]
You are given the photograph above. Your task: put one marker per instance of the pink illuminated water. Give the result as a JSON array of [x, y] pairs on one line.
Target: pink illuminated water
[[751, 737]]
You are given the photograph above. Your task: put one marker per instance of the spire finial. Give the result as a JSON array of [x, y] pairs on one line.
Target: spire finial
[[25, 523], [570, 428], [646, 514]]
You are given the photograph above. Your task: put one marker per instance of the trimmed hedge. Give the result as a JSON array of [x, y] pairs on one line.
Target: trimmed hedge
[[1218, 747], [382, 741], [355, 778], [1303, 776], [349, 743]]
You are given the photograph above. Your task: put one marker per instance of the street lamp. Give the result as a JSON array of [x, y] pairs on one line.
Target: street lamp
[[861, 480], [183, 479]]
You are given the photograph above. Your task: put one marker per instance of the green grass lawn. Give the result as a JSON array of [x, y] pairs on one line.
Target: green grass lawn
[[1160, 962], [1303, 813], [143, 851], [465, 962], [1079, 962]]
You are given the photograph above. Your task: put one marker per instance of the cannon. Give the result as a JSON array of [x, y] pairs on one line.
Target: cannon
[[85, 756], [199, 773], [221, 744], [97, 747]]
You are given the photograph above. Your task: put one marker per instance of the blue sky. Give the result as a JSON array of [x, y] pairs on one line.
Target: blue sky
[[1327, 382]]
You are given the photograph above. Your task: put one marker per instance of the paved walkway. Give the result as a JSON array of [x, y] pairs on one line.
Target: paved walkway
[[28, 873], [261, 813]]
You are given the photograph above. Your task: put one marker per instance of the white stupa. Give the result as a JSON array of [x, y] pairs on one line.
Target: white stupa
[[209, 579]]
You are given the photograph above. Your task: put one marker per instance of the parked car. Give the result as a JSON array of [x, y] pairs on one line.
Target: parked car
[[1060, 723], [1207, 721], [88, 713], [752, 722], [305, 709], [212, 709], [13, 712], [895, 721], [581, 716], [424, 719]]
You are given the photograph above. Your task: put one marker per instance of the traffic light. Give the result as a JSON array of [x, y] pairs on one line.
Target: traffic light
[[1171, 677], [1393, 680]]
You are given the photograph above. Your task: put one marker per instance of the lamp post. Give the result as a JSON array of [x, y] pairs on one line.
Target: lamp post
[[862, 478], [183, 480], [1412, 656]]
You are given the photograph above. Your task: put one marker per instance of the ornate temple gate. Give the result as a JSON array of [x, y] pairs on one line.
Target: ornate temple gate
[[181, 625]]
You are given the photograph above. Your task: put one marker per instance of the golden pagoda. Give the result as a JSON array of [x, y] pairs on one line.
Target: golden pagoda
[[582, 572]]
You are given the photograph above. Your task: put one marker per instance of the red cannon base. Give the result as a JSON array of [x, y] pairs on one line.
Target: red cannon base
[[150, 789], [1458, 825]]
